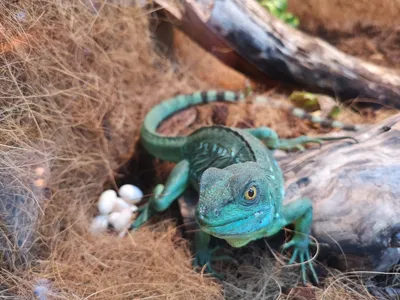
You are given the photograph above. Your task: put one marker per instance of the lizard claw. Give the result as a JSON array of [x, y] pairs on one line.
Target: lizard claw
[[301, 252], [203, 258]]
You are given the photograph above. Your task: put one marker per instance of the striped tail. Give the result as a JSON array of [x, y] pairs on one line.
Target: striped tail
[[302, 114], [169, 148]]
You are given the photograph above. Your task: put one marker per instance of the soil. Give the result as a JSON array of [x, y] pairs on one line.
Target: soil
[[346, 15], [366, 29], [371, 43]]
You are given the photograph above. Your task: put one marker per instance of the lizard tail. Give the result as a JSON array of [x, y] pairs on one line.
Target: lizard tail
[[302, 114], [169, 148]]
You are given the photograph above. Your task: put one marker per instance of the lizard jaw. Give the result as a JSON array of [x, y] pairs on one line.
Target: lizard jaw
[[239, 231]]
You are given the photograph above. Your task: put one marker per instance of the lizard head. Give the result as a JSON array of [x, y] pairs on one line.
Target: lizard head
[[237, 201]]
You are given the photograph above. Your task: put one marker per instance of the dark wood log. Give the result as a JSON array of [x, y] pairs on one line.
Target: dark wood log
[[246, 37], [189, 22], [355, 189]]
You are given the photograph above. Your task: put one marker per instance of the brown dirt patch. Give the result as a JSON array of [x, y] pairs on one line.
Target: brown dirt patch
[[346, 14], [365, 29], [373, 44]]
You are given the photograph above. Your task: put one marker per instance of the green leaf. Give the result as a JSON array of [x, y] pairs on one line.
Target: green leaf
[[335, 112], [305, 100], [278, 8]]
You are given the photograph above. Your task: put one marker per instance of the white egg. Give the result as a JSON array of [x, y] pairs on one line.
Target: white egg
[[120, 205], [130, 193], [107, 201], [122, 233], [134, 208], [99, 224], [121, 220]]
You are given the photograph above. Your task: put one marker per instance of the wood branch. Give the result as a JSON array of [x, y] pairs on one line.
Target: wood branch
[[246, 37], [190, 23], [355, 190]]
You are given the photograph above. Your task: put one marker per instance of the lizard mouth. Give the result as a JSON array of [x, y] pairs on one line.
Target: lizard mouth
[[205, 222], [237, 226]]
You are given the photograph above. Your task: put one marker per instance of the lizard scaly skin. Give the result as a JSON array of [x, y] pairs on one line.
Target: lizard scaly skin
[[239, 182]]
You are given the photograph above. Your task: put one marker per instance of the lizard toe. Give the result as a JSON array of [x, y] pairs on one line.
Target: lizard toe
[[302, 254]]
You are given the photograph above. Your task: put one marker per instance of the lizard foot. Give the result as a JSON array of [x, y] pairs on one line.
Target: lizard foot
[[203, 258], [301, 251], [147, 210]]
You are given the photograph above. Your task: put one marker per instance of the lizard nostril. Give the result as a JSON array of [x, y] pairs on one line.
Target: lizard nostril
[[217, 212], [395, 240], [200, 213]]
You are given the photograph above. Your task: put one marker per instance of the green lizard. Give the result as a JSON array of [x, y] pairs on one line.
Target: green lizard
[[239, 182]]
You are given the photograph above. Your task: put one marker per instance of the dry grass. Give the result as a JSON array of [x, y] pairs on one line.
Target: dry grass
[[74, 85]]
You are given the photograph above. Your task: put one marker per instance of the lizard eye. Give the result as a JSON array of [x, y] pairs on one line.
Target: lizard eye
[[251, 193]]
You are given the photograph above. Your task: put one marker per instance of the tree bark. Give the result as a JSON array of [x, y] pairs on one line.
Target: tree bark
[[246, 37]]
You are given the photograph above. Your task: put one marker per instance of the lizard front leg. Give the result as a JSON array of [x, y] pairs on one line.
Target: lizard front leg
[[271, 139], [204, 255], [163, 196], [300, 212]]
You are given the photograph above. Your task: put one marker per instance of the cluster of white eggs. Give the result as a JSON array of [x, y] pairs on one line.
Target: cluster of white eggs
[[117, 210]]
